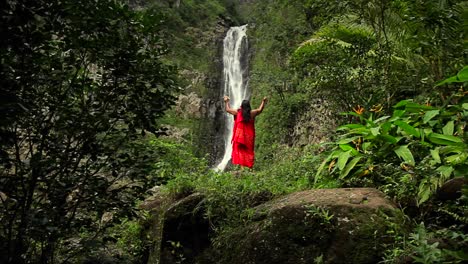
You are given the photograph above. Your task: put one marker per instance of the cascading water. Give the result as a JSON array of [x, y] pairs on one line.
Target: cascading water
[[235, 81]]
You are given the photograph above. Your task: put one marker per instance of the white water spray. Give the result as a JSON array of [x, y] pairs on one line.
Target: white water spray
[[234, 84]]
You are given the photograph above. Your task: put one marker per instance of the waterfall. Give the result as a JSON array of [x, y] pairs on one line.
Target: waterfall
[[235, 81]]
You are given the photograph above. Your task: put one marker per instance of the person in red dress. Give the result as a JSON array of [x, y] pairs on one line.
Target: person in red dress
[[243, 134]]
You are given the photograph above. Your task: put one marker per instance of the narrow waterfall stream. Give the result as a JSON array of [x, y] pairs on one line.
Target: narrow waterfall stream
[[235, 81]]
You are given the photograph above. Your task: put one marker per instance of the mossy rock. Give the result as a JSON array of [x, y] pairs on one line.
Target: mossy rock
[[333, 225], [314, 226]]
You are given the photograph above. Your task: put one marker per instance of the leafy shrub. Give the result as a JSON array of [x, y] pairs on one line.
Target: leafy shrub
[[428, 143]]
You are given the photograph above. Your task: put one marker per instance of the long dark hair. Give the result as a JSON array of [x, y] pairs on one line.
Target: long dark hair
[[245, 106]]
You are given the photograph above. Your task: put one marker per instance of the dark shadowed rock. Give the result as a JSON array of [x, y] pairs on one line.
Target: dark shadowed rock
[[452, 189], [179, 230]]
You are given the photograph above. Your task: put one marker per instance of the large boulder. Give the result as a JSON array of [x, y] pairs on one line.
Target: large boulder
[[323, 226], [178, 229]]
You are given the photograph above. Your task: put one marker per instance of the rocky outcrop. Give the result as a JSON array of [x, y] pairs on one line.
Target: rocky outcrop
[[452, 189], [315, 124], [203, 101], [331, 225], [178, 229]]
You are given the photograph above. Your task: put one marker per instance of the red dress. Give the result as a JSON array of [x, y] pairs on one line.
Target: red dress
[[243, 141]]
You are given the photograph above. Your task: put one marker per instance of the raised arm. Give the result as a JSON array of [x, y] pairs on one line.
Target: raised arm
[[259, 110], [228, 106]]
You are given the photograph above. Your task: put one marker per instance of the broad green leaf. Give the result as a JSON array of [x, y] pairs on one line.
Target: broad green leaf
[[332, 155], [397, 114], [429, 115], [465, 106], [375, 131], [444, 139], [343, 159], [390, 139], [401, 103], [386, 127], [405, 153], [452, 149], [381, 119], [424, 192], [462, 76], [457, 158], [445, 171], [347, 147], [347, 140], [415, 108], [407, 128], [428, 131], [365, 146], [448, 128], [349, 167], [350, 126], [449, 80], [435, 154], [432, 123]]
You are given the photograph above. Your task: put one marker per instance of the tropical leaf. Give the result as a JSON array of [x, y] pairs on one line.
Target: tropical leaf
[[347, 140], [457, 158], [445, 171], [446, 140], [343, 159], [390, 139], [453, 79], [452, 149], [448, 128], [415, 107], [397, 113], [347, 147], [349, 167], [462, 76], [407, 128], [429, 115], [405, 153], [350, 126], [424, 192], [385, 127], [375, 131], [332, 155], [381, 119], [435, 154], [365, 146], [401, 104]]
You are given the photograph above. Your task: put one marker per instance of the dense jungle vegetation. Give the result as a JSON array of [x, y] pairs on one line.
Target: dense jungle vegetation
[[87, 87]]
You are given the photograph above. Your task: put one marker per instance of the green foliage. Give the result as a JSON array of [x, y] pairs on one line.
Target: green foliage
[[190, 27], [324, 216], [350, 52], [421, 138], [424, 246], [176, 159], [425, 252], [461, 77], [82, 82]]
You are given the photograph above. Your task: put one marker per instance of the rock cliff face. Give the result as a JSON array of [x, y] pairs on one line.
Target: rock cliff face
[[202, 101], [204, 93], [331, 225], [315, 124]]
